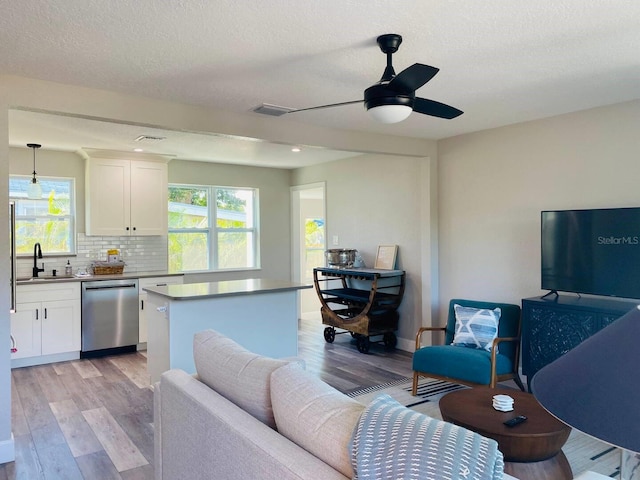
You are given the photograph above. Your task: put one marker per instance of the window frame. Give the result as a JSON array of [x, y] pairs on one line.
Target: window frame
[[213, 230], [72, 216]]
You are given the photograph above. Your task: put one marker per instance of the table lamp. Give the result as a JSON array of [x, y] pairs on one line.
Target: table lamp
[[594, 388]]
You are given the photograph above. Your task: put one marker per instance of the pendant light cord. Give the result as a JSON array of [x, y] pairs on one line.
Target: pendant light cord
[[34, 146]]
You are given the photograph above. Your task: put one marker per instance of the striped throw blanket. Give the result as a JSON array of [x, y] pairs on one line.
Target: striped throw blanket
[[392, 442]]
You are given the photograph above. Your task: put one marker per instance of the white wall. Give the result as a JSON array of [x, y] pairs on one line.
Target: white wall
[[51, 163], [6, 439], [275, 224], [493, 185], [17, 92], [54, 97], [274, 202], [377, 199]]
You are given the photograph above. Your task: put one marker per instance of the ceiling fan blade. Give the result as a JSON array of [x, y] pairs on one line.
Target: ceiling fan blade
[[412, 78], [435, 109], [325, 106]]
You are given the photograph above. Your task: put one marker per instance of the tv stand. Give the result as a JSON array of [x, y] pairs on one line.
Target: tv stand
[[553, 326]]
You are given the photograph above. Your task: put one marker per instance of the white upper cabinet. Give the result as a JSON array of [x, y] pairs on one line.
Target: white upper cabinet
[[149, 198], [125, 197]]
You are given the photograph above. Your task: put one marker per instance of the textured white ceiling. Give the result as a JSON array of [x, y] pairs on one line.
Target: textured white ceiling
[[501, 61]]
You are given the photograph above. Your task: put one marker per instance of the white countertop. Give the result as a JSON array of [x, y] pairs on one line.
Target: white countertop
[[93, 278], [193, 291]]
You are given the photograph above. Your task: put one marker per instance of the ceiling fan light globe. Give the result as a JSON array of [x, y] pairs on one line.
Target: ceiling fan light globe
[[34, 191], [390, 113]]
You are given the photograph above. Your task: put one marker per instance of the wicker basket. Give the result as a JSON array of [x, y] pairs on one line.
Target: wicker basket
[[106, 268]]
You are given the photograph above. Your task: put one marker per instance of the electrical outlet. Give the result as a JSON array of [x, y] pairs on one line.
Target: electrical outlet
[[336, 240]]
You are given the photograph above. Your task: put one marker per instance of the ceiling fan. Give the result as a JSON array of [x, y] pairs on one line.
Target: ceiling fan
[[393, 98]]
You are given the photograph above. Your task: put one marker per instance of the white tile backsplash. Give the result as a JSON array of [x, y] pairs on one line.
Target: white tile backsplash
[[140, 254]]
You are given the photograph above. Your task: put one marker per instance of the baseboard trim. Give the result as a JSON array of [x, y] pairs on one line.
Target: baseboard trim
[[406, 345], [7, 450], [43, 359]]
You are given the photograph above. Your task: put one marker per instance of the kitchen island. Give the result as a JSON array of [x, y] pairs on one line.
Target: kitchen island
[[259, 314]]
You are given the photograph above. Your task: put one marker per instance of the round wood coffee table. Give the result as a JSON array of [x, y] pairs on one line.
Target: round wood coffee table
[[532, 450]]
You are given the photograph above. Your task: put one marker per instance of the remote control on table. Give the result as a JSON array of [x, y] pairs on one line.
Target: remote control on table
[[515, 421]]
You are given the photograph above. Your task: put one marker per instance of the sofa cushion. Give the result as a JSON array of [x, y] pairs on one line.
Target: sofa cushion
[[206, 437], [392, 441], [314, 415], [476, 327], [237, 374], [466, 364]]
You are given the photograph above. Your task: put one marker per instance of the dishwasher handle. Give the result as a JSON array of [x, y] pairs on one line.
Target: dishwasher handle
[[106, 287]]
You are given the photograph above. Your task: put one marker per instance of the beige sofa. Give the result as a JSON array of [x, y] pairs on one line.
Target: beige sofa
[[221, 423]]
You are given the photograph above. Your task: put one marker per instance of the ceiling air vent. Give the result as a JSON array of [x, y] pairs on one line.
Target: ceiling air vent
[[273, 110], [149, 139]]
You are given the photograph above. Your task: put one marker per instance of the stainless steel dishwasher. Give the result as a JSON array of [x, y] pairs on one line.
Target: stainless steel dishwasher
[[109, 315]]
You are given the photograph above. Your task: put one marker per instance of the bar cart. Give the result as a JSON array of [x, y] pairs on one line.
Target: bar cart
[[361, 301]]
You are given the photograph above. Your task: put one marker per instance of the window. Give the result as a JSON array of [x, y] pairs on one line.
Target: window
[[49, 220], [314, 242], [208, 234]]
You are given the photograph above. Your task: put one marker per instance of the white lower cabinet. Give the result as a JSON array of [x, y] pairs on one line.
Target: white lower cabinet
[[26, 330], [142, 300], [46, 324]]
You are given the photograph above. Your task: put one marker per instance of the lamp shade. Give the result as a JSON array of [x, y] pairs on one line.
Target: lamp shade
[[594, 387], [390, 113], [34, 190]]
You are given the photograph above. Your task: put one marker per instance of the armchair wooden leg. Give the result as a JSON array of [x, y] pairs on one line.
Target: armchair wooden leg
[[414, 390]]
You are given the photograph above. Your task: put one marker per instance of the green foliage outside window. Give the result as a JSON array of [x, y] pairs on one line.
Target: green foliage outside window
[[314, 242], [49, 220], [203, 236]]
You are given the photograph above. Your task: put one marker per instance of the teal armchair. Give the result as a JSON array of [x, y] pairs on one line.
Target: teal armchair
[[472, 366]]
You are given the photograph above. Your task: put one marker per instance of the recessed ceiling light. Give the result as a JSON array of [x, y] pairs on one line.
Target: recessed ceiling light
[[138, 150], [295, 149]]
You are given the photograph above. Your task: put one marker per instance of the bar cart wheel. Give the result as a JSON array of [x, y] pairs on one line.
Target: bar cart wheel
[[362, 343], [329, 334], [390, 340]]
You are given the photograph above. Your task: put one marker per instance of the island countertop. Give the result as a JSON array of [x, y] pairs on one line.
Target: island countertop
[[227, 288]]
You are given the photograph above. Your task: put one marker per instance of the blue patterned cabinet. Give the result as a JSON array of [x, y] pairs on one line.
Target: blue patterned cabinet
[[554, 325]]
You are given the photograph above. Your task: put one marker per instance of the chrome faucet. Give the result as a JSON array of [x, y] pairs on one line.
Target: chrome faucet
[[37, 253]]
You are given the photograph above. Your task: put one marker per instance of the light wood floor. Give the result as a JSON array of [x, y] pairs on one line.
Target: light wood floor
[[92, 418]]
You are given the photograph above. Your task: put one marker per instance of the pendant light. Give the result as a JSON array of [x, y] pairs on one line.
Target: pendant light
[[34, 190]]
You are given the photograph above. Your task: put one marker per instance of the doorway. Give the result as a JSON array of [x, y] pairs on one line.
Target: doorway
[[309, 239]]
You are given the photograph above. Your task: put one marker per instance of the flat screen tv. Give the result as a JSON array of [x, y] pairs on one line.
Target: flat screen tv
[[592, 251]]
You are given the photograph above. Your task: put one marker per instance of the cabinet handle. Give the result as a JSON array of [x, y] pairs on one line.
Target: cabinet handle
[[37, 316], [134, 229], [141, 304], [45, 313], [127, 229]]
